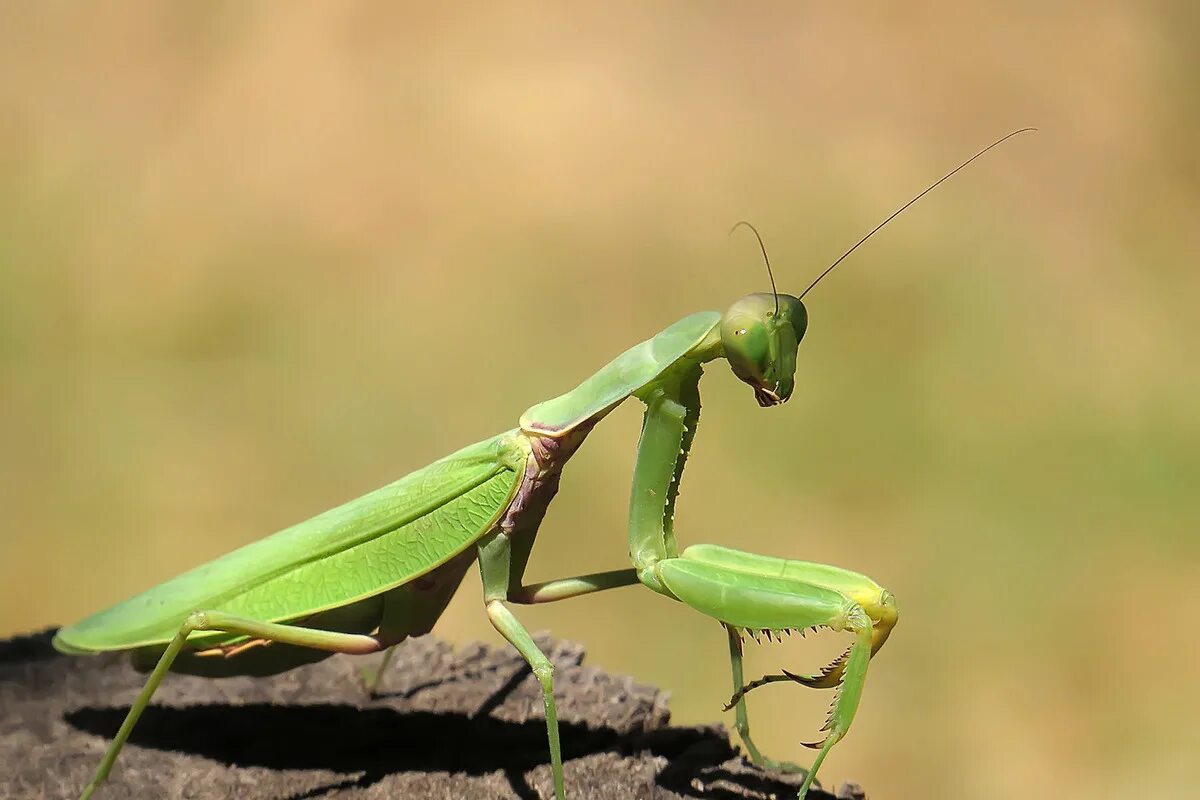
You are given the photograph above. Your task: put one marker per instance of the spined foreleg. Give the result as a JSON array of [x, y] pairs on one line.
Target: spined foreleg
[[758, 593]]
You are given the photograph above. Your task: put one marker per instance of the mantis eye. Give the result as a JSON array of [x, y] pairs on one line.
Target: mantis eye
[[749, 352], [799, 319]]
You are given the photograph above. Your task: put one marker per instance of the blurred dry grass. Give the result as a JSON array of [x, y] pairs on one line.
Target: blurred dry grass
[[256, 261]]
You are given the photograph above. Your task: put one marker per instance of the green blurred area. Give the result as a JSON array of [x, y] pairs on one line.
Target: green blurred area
[[255, 261]]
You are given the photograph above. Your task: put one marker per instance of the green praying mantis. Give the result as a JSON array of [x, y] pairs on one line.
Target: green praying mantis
[[362, 577]]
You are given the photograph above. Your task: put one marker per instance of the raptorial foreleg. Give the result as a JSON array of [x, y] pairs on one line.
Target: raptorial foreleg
[[749, 592]]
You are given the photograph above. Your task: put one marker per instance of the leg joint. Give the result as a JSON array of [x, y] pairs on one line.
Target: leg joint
[[887, 602], [544, 672], [196, 621], [857, 619]]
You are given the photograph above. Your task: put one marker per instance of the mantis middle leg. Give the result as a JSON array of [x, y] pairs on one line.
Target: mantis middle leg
[[502, 564], [502, 560], [543, 592]]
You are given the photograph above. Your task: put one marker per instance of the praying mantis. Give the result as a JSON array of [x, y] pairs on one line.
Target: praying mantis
[[366, 575]]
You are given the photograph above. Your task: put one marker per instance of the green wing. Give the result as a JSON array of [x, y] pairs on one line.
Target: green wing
[[366, 546]]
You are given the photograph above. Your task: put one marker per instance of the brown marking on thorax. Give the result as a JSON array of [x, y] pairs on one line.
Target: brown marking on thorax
[[542, 471]]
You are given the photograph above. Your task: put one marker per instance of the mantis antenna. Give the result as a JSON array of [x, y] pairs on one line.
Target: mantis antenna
[[762, 247], [896, 213]]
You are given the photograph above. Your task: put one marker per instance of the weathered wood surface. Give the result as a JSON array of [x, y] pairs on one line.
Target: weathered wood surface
[[447, 724]]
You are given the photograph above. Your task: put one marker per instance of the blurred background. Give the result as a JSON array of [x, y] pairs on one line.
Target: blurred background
[[257, 260]]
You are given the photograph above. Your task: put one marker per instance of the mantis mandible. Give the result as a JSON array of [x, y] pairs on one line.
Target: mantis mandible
[[362, 577]]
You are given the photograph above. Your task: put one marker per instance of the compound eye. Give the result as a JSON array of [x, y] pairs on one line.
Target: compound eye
[[750, 350], [799, 318]]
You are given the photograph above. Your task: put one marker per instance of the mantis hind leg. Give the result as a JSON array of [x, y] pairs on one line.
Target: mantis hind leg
[[232, 654], [371, 676], [356, 644], [413, 608]]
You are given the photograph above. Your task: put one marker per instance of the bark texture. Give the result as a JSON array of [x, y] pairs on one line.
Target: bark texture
[[447, 724]]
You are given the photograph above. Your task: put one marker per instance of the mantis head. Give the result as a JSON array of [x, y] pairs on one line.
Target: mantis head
[[760, 334]]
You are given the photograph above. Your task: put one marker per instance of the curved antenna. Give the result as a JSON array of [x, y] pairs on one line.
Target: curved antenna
[[896, 213], [762, 247]]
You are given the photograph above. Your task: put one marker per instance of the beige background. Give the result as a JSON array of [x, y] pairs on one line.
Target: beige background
[[256, 259]]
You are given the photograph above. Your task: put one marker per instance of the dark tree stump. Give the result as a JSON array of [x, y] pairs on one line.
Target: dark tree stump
[[447, 724]]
